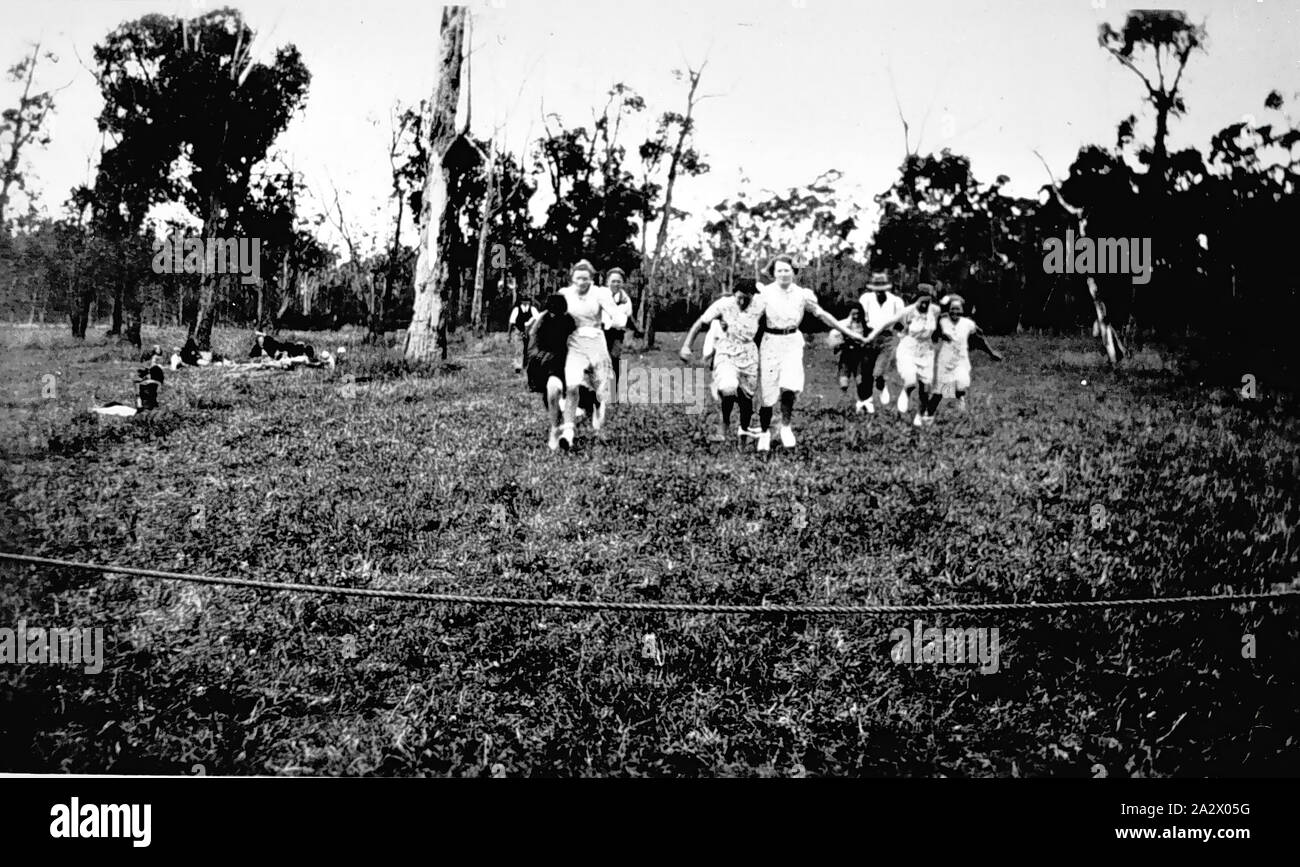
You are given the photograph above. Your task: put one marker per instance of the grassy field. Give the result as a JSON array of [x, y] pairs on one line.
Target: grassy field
[[439, 479]]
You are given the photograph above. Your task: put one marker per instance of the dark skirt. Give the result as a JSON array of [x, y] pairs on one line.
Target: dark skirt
[[541, 367]]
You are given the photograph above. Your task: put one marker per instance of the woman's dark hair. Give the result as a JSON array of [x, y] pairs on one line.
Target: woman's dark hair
[[746, 285], [771, 266], [557, 304]]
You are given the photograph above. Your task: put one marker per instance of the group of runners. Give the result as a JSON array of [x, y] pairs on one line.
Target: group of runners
[[570, 350]]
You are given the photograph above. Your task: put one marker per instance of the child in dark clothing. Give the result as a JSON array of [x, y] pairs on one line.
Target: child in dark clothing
[[545, 350]]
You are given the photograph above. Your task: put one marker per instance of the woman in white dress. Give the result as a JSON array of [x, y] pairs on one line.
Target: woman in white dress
[[614, 279], [781, 372], [957, 333], [915, 353], [735, 355], [588, 354]]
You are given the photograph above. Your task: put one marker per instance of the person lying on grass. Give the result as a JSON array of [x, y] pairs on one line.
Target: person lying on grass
[[266, 345], [190, 355]]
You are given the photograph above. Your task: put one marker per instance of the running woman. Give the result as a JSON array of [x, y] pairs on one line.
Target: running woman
[[880, 305], [614, 280], [977, 338], [915, 352], [545, 347], [781, 372], [588, 356], [952, 364], [850, 355], [735, 355]]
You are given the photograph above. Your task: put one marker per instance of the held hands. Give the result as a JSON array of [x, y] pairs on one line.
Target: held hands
[[685, 355]]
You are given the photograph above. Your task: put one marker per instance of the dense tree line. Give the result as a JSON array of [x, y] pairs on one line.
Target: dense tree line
[[191, 118]]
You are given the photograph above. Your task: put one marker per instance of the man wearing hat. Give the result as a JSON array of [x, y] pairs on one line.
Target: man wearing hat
[[781, 373], [880, 306]]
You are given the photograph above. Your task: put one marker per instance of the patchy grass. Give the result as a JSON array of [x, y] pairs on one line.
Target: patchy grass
[[437, 478]]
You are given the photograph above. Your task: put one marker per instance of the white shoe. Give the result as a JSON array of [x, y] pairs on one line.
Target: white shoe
[[765, 441], [579, 415], [961, 404], [902, 403], [869, 406], [884, 396], [860, 407], [553, 441], [918, 421], [746, 433], [598, 417], [787, 437]]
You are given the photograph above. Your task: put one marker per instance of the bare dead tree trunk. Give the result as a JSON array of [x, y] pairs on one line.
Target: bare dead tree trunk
[[649, 298], [1109, 337], [24, 128], [437, 210], [390, 273], [484, 226], [288, 288], [115, 324]]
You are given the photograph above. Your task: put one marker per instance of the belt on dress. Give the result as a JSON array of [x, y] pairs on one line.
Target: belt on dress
[[791, 330]]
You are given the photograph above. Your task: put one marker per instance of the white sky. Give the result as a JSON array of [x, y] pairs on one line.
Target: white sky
[[802, 85]]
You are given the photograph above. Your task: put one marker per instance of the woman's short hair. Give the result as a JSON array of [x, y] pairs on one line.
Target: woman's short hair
[[612, 271], [771, 266], [746, 285]]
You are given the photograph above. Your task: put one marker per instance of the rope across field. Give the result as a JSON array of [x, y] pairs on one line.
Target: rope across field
[[662, 607]]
